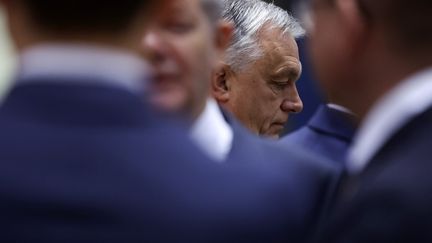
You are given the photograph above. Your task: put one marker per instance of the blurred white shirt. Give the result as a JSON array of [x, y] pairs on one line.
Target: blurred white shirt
[[91, 63], [212, 133]]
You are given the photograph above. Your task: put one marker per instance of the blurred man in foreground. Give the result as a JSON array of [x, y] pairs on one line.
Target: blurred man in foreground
[[330, 130], [256, 79], [184, 44], [378, 55], [82, 159]]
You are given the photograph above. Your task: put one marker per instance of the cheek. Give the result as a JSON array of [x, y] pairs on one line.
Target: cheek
[[261, 106], [197, 48], [316, 50], [197, 59], [184, 56], [325, 53], [270, 98]]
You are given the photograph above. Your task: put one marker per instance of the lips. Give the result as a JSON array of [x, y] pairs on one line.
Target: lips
[[165, 80], [279, 126], [280, 122]]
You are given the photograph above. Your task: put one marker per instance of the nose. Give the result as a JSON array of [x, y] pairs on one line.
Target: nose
[[292, 103], [153, 47]]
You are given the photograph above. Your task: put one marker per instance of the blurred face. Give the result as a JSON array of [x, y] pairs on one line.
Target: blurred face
[[264, 94], [180, 44], [327, 49]]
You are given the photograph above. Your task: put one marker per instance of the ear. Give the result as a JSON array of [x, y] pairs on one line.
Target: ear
[[224, 32], [355, 24], [221, 83]]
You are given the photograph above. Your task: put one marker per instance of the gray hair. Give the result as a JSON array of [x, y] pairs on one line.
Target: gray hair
[[248, 17]]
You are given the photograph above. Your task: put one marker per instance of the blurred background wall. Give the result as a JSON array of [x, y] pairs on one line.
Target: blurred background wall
[[7, 56]]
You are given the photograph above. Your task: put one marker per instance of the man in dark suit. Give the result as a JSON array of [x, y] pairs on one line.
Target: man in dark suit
[[328, 133], [82, 158], [381, 65], [184, 54]]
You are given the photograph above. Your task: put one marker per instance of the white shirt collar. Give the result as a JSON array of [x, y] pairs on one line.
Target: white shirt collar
[[103, 65], [340, 108], [212, 133], [392, 112]]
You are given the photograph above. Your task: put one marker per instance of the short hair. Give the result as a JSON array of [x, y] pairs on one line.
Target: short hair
[[248, 17], [65, 16]]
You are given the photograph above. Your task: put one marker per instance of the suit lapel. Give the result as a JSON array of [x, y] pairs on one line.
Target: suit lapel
[[351, 184], [333, 122]]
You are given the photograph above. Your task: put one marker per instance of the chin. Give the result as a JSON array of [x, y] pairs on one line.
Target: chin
[[274, 132], [274, 136], [167, 105]]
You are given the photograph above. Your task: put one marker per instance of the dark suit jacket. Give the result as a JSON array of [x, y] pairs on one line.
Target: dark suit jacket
[[328, 133], [90, 163], [312, 179], [391, 200]]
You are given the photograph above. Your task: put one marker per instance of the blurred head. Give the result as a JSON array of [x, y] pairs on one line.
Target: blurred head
[[362, 48], [257, 78], [108, 22], [183, 43]]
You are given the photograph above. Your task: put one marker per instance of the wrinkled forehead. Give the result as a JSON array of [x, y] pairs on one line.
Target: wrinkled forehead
[[280, 54], [275, 41]]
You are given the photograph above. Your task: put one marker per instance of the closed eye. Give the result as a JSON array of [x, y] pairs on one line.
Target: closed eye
[[280, 85], [179, 28]]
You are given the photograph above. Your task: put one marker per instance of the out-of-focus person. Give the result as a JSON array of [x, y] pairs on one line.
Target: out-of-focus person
[[256, 80], [82, 158], [377, 57], [331, 128], [328, 128], [184, 44]]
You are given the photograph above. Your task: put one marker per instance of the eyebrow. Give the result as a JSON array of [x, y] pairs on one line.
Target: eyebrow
[[291, 71], [176, 9]]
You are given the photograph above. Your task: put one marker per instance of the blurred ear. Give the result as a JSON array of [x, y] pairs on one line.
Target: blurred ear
[[221, 83], [355, 25], [224, 32]]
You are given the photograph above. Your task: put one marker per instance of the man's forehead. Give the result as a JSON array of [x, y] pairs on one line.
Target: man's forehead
[[279, 50], [270, 29], [272, 37]]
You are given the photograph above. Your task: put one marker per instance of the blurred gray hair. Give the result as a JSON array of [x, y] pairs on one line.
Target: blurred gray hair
[[248, 17]]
